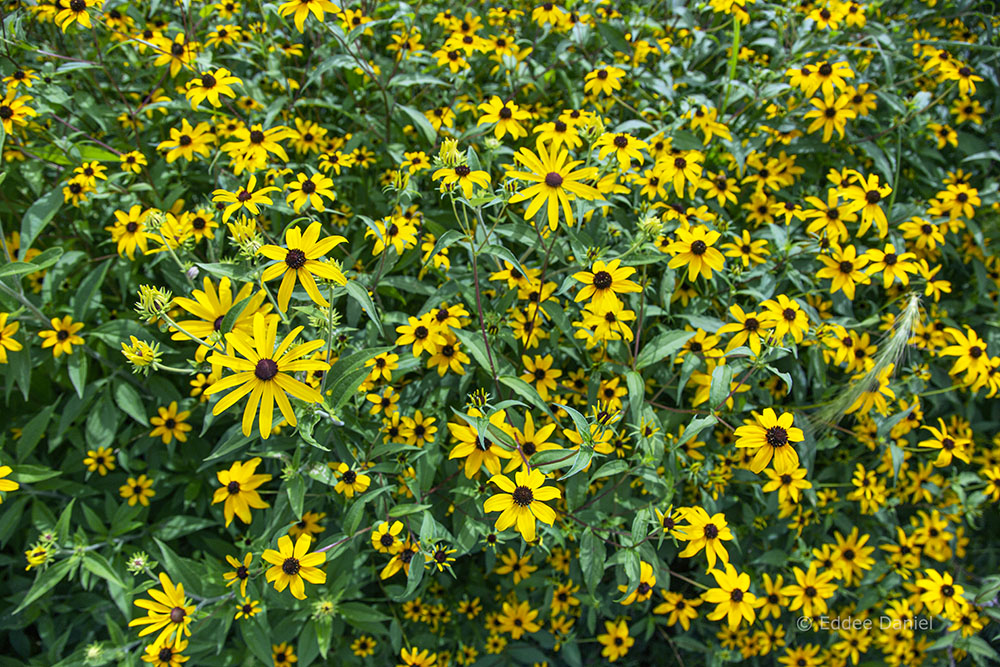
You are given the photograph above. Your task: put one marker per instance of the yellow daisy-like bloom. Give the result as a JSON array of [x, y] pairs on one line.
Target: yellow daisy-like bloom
[[7, 485], [238, 490], [7, 341], [169, 424], [166, 613], [772, 437], [421, 334], [556, 182], [506, 115], [244, 198], [705, 532], [693, 248], [603, 282], [101, 460], [310, 190], [62, 337], [891, 264], [240, 574], [732, 598], [616, 640], [161, 655], [75, 11], [522, 502], [135, 490], [623, 146], [15, 110], [301, 260], [844, 268], [247, 608], [647, 580], [187, 141], [264, 373], [351, 482], [385, 537], [211, 306], [941, 593], [810, 590], [210, 85], [465, 176], [302, 8], [292, 565], [129, 231], [605, 80], [951, 445], [478, 449]]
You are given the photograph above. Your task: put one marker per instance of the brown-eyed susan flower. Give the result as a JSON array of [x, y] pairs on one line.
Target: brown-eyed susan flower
[[604, 80], [309, 524], [465, 176], [951, 445], [604, 282], [970, 352], [421, 334], [169, 424], [810, 590], [76, 11], [864, 195], [240, 574], [350, 482], [506, 116], [831, 113], [363, 646], [301, 260], [557, 182], [7, 485], [694, 248], [188, 140], [623, 146], [100, 460], [264, 372], [62, 336], [310, 190], [732, 597], [135, 490], [478, 448], [772, 437], [615, 640], [705, 532], [843, 266], [132, 161], [749, 329], [300, 10], [7, 340], [891, 264], [165, 655], [14, 110], [247, 198], [247, 608], [518, 618], [239, 490], [539, 372], [209, 85], [521, 502], [283, 655], [167, 613], [677, 608], [385, 537], [642, 592], [414, 657], [291, 566]]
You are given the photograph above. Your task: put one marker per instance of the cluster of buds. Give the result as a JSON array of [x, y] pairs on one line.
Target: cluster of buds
[[449, 155], [153, 302], [243, 231], [650, 228], [141, 356], [140, 562]]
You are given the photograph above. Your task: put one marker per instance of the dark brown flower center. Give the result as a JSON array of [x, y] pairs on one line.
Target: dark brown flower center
[[602, 280], [736, 595], [698, 247], [256, 137], [873, 197], [553, 180], [266, 369], [776, 436], [295, 259], [290, 566], [711, 531], [177, 615], [522, 496]]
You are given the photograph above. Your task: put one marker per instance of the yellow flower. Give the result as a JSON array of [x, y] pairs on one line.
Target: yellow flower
[[300, 259], [291, 566], [694, 249], [264, 373], [244, 198], [507, 117], [210, 85], [705, 532], [62, 337], [169, 424], [7, 341], [101, 459], [604, 282], [135, 490], [302, 8], [616, 640], [351, 482], [732, 598], [238, 490], [521, 503], [240, 573], [166, 613], [556, 182], [7, 485]]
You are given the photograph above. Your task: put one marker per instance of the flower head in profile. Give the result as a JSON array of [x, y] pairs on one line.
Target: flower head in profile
[[291, 566]]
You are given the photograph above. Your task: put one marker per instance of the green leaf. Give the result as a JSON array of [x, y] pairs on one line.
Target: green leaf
[[411, 80], [233, 314], [38, 215], [33, 431], [89, 287], [42, 261], [296, 490], [636, 395], [722, 381], [360, 294], [448, 238], [592, 557], [99, 565], [46, 581], [504, 254], [414, 577], [610, 469], [661, 347], [77, 368], [421, 123], [255, 637], [128, 401], [696, 426], [360, 611], [527, 392]]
